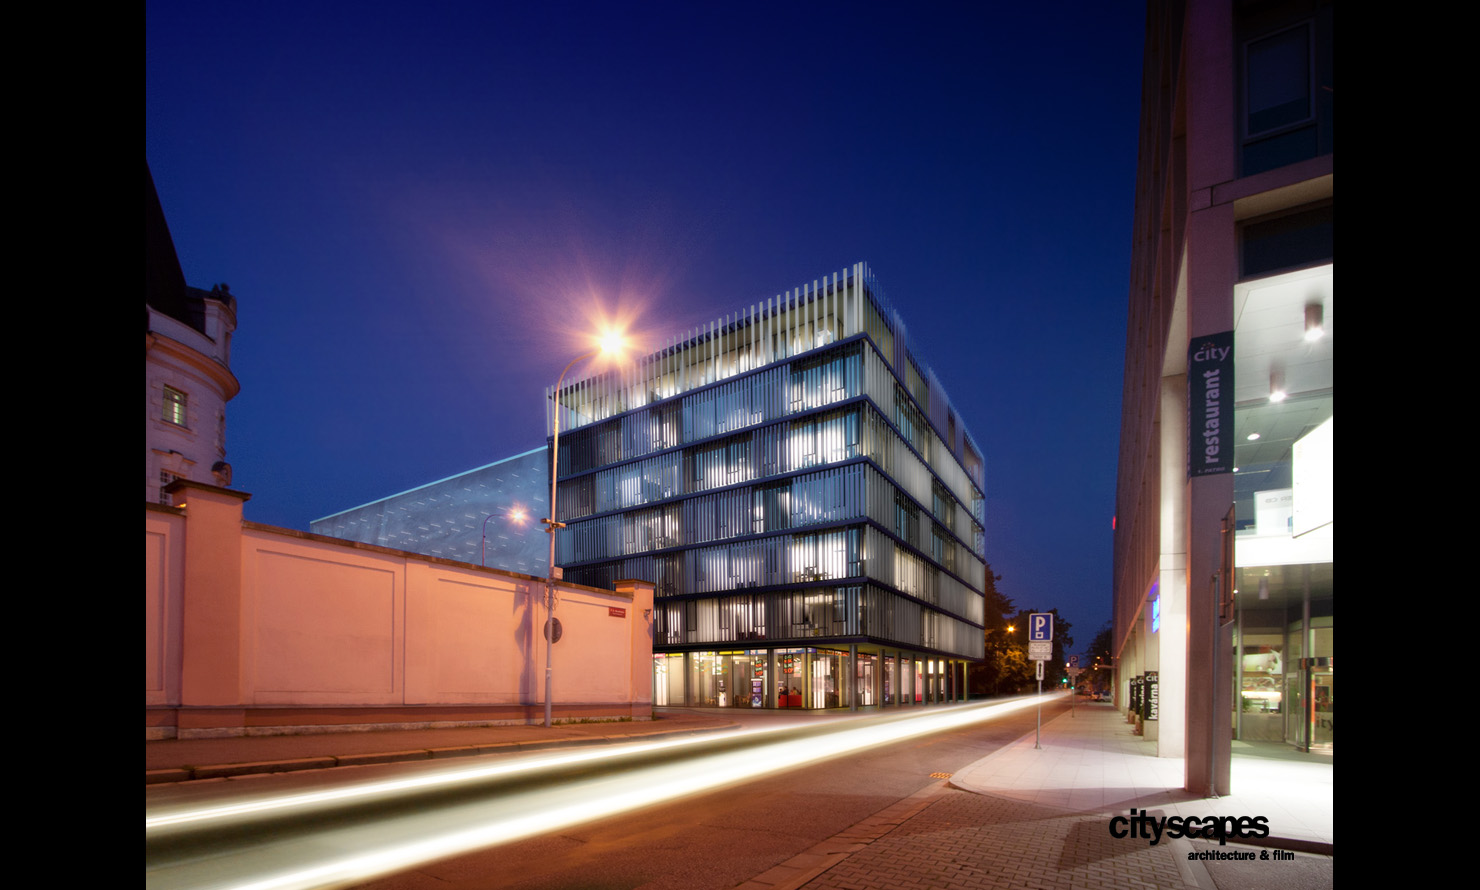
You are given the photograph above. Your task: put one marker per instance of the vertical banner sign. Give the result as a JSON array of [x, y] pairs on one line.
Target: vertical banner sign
[[1210, 405], [1152, 694]]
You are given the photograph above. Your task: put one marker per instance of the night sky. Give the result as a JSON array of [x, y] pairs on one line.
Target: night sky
[[423, 209]]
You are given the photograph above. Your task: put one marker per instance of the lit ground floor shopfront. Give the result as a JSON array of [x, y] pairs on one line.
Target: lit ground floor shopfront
[[1282, 668], [1281, 663], [847, 676], [1284, 581], [1258, 530], [1284, 665]]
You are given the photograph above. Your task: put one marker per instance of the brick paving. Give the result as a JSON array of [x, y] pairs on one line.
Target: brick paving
[[965, 840], [1038, 817]]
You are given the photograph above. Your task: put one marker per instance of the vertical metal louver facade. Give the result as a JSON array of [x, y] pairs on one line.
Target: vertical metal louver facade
[[789, 475]]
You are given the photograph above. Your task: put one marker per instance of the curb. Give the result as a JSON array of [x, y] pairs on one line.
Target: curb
[[229, 770]]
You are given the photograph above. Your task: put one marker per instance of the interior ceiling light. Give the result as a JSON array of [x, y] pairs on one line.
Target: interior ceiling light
[[1253, 436], [1315, 322], [1277, 386]]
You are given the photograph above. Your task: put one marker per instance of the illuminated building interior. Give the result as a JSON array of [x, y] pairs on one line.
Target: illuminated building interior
[[1284, 547], [803, 496], [1223, 622]]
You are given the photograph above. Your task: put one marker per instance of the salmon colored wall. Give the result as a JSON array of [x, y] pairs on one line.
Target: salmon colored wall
[[242, 619]]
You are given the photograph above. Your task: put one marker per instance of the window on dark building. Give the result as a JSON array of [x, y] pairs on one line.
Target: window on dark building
[[1288, 84], [1287, 241]]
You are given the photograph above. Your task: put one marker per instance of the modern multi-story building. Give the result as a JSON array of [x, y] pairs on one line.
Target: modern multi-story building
[[798, 487], [1224, 554], [187, 366]]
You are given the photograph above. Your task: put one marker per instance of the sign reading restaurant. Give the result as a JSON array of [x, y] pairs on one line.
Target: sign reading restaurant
[[1210, 404]]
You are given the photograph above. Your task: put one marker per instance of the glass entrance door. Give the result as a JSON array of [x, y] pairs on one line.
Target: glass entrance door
[[1322, 729]]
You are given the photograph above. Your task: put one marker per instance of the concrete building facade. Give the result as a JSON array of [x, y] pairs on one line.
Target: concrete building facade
[[1224, 555]]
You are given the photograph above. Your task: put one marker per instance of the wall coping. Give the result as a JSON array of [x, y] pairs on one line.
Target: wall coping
[[182, 483]]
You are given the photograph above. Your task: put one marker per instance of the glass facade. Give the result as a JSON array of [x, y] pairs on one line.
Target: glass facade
[[802, 495], [1284, 552], [473, 517]]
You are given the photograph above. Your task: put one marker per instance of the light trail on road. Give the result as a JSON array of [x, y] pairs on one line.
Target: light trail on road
[[171, 817], [345, 855]]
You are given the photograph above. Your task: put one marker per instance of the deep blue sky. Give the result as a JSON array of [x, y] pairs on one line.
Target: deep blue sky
[[420, 206]]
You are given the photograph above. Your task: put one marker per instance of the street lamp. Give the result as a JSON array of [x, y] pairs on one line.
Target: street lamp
[[516, 514], [611, 344]]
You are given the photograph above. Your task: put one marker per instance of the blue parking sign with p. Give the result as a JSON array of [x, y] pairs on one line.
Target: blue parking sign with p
[[1040, 627]]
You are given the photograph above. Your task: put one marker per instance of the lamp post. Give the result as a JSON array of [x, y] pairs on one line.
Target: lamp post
[[610, 345], [516, 514]]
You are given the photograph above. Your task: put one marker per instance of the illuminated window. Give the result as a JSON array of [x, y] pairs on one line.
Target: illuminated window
[[174, 406]]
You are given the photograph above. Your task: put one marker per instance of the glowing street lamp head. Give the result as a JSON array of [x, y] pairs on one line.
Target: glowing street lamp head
[[613, 343], [517, 514]]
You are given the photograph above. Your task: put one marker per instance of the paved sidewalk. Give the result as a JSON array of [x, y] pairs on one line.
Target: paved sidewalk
[[1040, 818], [1093, 762]]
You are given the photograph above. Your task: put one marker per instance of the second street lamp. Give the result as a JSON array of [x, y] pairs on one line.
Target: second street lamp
[[515, 514], [611, 345]]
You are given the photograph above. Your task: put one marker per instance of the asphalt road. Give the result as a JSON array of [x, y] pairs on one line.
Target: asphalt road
[[721, 839], [715, 838]]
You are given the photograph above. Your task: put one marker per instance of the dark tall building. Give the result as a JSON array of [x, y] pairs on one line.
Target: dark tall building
[[796, 484], [1224, 535]]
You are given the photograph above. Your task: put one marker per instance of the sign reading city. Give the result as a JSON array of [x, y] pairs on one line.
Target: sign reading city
[[1209, 408]]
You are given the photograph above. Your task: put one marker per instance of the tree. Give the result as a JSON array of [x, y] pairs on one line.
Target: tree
[[1005, 668], [1008, 666], [1101, 658], [1053, 669], [1099, 647], [1000, 671], [999, 606]]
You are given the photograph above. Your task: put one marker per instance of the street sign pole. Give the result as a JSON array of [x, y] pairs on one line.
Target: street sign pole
[[1040, 649], [1073, 683], [1038, 730]]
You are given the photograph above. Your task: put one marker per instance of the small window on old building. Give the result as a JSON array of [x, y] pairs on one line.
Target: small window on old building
[[165, 478], [174, 406]]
